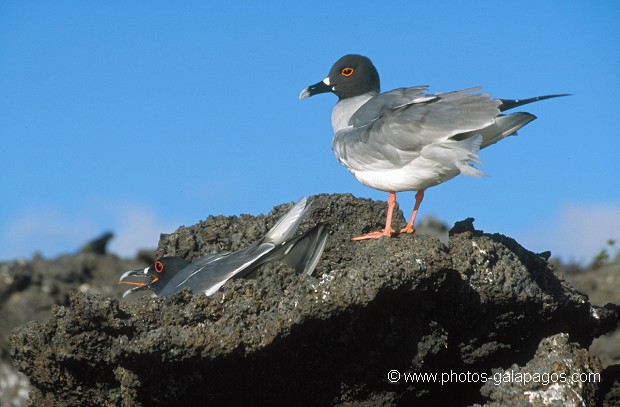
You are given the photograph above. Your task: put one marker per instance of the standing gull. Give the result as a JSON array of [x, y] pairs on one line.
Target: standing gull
[[406, 139]]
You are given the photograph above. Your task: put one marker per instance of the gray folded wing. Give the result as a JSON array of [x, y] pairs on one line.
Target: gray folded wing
[[384, 102], [392, 128]]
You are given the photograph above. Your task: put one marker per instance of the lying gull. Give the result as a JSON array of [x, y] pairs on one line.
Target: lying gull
[[208, 273]]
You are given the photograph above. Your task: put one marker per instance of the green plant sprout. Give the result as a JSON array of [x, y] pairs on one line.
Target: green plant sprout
[[605, 255]]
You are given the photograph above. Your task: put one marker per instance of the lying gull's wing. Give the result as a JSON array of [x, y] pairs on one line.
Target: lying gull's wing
[[209, 273], [287, 225]]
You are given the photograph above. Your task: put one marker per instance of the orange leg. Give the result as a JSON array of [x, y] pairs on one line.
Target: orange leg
[[418, 200], [388, 222]]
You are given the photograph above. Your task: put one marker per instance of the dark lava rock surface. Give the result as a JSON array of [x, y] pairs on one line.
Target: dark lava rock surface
[[29, 289], [561, 373], [374, 314]]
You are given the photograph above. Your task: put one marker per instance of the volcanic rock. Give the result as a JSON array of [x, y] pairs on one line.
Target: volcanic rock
[[375, 317]]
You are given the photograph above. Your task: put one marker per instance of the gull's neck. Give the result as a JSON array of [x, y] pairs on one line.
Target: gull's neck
[[345, 108]]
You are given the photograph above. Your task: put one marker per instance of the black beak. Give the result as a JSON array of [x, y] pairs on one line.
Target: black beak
[[319, 87]]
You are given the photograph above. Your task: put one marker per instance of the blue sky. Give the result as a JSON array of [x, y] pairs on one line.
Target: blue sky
[[139, 117]]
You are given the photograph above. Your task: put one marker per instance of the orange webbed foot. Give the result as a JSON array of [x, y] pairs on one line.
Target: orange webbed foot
[[374, 235]]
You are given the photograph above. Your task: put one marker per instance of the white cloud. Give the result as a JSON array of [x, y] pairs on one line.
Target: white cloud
[[577, 232], [137, 228], [47, 231], [51, 232]]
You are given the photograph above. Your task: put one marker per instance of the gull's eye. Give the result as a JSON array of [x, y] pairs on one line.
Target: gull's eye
[[348, 71], [159, 266]]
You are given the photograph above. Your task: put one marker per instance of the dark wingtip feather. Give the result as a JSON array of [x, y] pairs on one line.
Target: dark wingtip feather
[[508, 104]]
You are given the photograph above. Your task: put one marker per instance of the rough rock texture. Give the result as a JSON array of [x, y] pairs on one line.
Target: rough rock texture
[[407, 304], [28, 290], [561, 373]]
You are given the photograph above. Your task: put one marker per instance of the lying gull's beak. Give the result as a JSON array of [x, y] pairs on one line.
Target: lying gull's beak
[[135, 274]]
